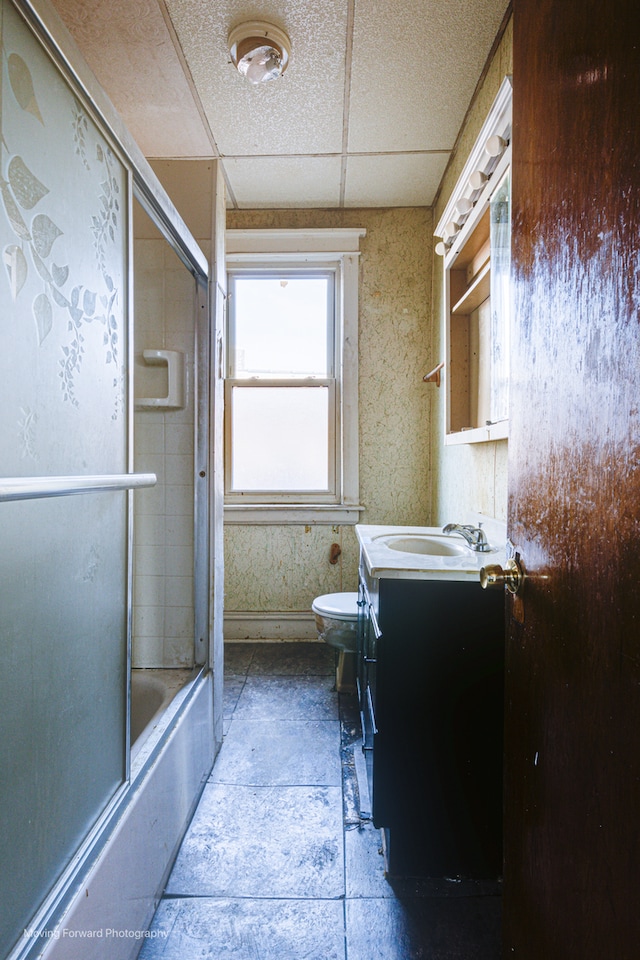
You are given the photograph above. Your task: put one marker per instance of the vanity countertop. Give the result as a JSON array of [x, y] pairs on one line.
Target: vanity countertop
[[383, 562]]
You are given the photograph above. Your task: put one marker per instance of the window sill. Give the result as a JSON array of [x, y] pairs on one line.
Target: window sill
[[293, 513]]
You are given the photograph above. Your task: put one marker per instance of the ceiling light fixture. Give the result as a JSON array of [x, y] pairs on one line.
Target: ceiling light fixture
[[259, 50]]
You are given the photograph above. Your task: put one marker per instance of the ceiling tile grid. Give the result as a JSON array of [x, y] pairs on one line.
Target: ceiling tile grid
[[366, 113]]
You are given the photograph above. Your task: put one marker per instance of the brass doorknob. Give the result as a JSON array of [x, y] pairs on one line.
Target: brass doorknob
[[493, 576]]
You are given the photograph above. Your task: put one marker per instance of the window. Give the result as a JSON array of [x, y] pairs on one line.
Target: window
[[281, 388], [291, 451]]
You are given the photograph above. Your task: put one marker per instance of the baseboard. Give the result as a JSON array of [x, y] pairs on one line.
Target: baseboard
[[247, 625]]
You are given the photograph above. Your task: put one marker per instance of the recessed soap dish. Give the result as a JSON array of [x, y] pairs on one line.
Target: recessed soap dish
[[175, 363]]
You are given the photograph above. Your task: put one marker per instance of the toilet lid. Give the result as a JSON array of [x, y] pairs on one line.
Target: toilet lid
[[342, 606]]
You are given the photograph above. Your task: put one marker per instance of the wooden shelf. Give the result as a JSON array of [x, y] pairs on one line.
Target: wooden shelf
[[471, 239], [492, 431], [475, 294]]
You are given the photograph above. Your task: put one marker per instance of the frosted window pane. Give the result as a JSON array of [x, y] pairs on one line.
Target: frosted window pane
[[279, 439], [281, 326]]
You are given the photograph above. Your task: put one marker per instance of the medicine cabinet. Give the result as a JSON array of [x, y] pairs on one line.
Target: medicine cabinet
[[475, 232]]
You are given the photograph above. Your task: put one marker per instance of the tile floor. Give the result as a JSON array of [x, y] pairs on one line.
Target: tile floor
[[277, 863]]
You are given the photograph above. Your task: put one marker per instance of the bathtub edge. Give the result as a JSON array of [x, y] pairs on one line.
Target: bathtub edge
[[110, 913]]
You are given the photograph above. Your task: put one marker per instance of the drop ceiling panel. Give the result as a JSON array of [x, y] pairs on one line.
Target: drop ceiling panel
[[301, 113], [415, 69], [129, 47], [396, 180], [284, 181]]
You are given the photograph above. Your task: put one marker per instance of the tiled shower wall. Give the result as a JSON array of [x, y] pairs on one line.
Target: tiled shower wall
[[163, 626]]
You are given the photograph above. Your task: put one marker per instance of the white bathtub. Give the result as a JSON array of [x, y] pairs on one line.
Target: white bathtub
[[152, 691], [171, 758]]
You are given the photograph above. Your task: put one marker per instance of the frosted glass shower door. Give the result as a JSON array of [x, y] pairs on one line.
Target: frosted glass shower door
[[63, 396]]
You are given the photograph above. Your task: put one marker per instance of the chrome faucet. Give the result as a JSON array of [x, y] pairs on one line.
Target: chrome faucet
[[475, 536]]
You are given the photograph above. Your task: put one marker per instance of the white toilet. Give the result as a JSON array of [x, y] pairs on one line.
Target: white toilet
[[337, 622]]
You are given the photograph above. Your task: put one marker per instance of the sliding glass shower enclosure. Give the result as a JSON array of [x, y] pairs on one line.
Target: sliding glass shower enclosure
[[68, 493]]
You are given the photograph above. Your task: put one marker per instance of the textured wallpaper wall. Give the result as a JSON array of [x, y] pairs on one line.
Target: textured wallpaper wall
[[282, 568]]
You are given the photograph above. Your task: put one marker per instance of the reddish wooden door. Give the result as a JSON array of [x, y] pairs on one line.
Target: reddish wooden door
[[572, 835]]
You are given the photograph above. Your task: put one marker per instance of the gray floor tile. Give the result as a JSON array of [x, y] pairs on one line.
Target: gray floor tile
[[350, 749], [277, 698], [365, 876], [350, 711], [263, 842], [232, 690], [293, 659], [280, 752], [423, 929], [364, 863], [237, 658], [207, 929], [350, 794], [272, 864]]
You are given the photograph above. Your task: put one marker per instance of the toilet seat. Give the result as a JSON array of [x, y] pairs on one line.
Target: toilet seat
[[337, 606]]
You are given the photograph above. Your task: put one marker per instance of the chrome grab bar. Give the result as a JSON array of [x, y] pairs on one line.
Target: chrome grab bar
[[35, 488]]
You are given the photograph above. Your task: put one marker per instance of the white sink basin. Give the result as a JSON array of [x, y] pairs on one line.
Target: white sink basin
[[429, 545]]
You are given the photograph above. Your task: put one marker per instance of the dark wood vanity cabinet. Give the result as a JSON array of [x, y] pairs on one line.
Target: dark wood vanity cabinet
[[430, 683]]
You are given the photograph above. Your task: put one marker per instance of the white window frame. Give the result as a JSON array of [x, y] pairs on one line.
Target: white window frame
[[328, 382], [337, 250]]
